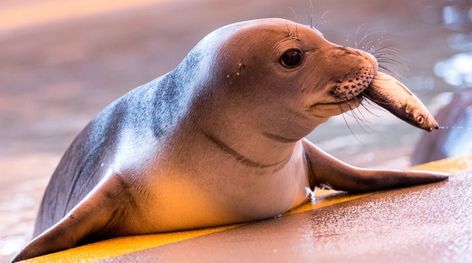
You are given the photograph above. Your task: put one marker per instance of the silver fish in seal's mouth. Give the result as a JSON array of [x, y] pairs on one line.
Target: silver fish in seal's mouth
[[392, 95]]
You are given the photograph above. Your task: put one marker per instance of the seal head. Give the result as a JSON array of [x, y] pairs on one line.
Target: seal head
[[289, 76]]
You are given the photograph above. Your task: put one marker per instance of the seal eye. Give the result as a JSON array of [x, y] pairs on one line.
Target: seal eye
[[291, 58]]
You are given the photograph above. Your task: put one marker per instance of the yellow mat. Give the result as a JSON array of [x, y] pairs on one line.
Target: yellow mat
[[124, 245]]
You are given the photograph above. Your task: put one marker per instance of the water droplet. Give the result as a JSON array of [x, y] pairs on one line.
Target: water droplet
[[310, 194]]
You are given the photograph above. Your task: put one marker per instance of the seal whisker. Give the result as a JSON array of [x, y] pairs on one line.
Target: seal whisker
[[385, 51], [369, 44], [321, 19], [386, 46], [355, 116], [381, 48], [385, 54], [288, 29], [376, 41], [381, 43], [311, 13], [364, 120], [347, 124], [356, 35], [293, 12], [387, 60], [374, 104], [385, 68], [366, 100]]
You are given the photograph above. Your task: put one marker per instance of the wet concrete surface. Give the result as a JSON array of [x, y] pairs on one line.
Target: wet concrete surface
[[430, 223], [56, 75]]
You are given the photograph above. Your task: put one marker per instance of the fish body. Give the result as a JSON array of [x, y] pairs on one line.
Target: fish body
[[392, 95]]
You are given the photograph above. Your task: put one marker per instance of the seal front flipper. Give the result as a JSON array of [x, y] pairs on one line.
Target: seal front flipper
[[98, 212], [327, 170]]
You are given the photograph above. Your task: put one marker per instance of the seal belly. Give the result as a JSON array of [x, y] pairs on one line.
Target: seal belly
[[189, 198]]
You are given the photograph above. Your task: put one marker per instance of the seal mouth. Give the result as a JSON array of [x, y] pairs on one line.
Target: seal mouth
[[335, 108], [349, 99], [340, 101], [349, 90]]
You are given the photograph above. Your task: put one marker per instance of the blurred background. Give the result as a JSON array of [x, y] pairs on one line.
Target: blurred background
[[63, 61]]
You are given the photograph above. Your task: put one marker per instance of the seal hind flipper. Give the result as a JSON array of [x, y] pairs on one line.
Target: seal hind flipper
[[94, 215], [329, 171]]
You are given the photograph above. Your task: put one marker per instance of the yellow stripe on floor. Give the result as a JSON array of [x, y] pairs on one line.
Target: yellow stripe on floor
[[124, 245]]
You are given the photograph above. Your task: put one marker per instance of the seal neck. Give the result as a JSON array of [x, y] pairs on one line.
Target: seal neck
[[254, 138]]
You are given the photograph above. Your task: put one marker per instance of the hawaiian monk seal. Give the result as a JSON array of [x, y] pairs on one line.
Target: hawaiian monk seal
[[217, 140]]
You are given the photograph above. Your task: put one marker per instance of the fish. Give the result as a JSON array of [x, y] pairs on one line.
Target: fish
[[390, 94]]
